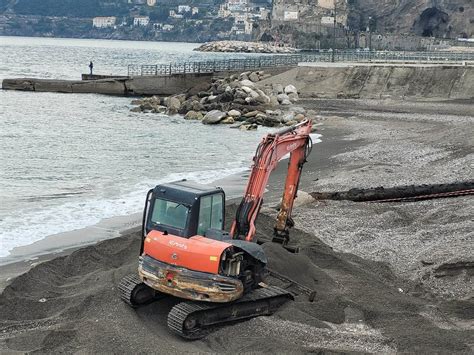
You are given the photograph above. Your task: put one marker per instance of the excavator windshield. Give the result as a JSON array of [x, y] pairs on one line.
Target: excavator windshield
[[169, 213]]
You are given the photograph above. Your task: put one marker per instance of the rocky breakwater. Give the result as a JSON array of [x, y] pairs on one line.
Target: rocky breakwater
[[236, 100], [244, 47]]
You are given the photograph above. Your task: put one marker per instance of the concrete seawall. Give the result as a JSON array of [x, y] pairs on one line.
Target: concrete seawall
[[381, 81], [143, 85]]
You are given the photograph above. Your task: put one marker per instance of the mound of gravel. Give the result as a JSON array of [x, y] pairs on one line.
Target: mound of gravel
[[70, 304]]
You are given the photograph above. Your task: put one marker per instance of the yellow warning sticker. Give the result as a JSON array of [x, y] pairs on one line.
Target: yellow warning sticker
[[213, 258]]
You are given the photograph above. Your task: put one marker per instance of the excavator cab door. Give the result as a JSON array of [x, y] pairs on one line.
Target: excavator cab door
[[211, 213]]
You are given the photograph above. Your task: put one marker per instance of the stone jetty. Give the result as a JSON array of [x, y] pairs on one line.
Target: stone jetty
[[240, 101], [244, 47]]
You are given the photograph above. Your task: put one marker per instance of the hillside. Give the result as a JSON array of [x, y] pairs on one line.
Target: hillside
[[439, 18], [73, 18]]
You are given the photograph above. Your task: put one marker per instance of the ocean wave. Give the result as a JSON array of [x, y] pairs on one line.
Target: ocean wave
[[28, 226]]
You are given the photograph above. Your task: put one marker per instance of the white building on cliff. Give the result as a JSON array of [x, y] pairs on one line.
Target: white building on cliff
[[141, 21], [104, 22]]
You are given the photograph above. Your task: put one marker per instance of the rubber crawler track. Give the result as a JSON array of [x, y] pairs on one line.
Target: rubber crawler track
[[264, 301], [126, 287], [131, 285]]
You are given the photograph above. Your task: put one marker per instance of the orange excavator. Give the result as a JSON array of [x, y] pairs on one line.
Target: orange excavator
[[186, 253]]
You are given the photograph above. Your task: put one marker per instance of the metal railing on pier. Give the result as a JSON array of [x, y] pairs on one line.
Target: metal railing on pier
[[275, 61], [388, 56], [215, 65]]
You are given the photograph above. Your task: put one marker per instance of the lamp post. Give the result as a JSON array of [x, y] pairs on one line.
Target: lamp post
[[369, 30], [334, 33]]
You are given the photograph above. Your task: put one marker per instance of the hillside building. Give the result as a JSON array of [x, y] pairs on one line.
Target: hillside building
[[104, 22], [141, 21], [184, 8], [307, 13]]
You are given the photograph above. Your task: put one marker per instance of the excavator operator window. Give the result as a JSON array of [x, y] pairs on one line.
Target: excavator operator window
[[169, 213], [211, 213]]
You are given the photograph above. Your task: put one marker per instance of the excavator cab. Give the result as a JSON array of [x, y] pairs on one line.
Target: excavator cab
[[184, 209], [183, 243]]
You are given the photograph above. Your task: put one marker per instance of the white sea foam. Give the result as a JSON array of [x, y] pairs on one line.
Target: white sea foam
[[32, 225]]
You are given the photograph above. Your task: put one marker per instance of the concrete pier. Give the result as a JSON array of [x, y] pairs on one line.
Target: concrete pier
[[142, 85]]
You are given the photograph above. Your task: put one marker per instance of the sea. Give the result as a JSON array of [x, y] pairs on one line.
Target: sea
[[67, 161]]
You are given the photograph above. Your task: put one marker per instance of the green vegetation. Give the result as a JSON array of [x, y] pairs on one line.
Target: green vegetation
[[72, 8]]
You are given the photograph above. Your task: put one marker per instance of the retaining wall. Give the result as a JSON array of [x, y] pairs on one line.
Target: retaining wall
[[372, 81]]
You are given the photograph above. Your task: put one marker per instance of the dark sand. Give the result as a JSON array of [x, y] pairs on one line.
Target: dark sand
[[70, 304]]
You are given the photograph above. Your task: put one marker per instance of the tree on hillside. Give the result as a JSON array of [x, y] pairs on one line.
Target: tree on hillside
[[159, 14], [72, 8]]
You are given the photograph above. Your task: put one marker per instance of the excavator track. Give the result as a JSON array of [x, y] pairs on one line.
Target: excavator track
[[194, 320], [135, 293]]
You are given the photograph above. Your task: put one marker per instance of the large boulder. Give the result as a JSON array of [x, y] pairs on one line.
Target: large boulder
[[203, 94], [225, 97], [254, 77], [289, 89], [247, 83], [244, 75], [234, 113], [193, 115], [240, 94], [271, 121], [180, 97], [213, 117], [247, 89], [251, 101], [300, 117], [274, 101], [159, 109], [137, 102], [290, 116], [212, 98], [173, 104], [252, 114], [283, 99], [186, 106], [201, 87], [277, 89], [293, 96], [196, 106], [228, 120], [235, 84], [262, 97], [236, 125], [146, 106]]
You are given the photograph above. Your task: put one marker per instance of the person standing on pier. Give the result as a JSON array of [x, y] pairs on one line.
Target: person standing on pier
[[91, 66]]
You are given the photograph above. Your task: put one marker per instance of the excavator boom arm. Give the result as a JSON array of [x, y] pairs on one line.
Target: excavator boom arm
[[294, 140]]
